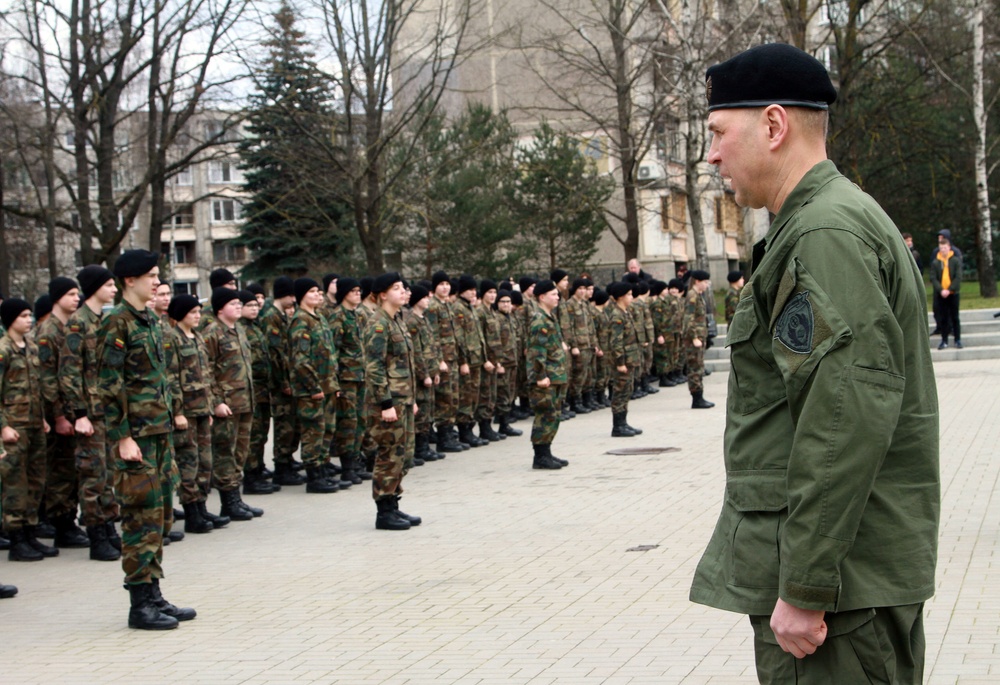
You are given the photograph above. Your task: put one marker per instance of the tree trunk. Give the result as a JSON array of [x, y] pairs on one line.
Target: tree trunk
[[984, 237], [627, 149]]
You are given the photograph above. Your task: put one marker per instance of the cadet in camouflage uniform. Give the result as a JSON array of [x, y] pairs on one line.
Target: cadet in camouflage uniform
[[391, 393], [191, 394], [274, 321], [425, 360], [602, 365], [61, 483], [581, 336], [644, 329], [623, 356], [255, 476], [525, 312], [488, 320], [136, 396], [472, 360], [219, 278], [548, 374], [675, 305], [345, 326], [22, 428], [441, 317], [510, 343], [79, 362], [313, 368], [660, 312], [695, 336], [735, 279]]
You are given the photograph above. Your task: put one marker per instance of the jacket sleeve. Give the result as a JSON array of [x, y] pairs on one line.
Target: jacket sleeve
[[114, 336]]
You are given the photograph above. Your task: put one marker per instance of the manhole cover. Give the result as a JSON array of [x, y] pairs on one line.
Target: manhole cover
[[625, 451], [641, 548]]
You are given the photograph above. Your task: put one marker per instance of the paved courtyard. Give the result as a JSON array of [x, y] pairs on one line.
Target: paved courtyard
[[516, 576]]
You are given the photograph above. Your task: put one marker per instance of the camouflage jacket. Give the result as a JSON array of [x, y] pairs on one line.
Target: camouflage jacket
[[545, 356], [231, 362], [425, 361], [20, 385], [49, 337], [695, 317], [389, 370], [489, 328], [732, 299], [601, 324], [471, 349], [659, 309], [643, 321], [133, 374], [441, 318], [509, 340], [579, 328], [190, 374], [676, 314], [623, 341], [523, 316], [79, 363], [313, 355], [345, 325], [260, 360], [274, 323]]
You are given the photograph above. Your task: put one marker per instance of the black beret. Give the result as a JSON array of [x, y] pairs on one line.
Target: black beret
[[417, 293], [304, 285], [91, 278], [771, 74], [675, 283], [256, 289], [221, 297], [577, 284], [486, 285], [11, 309], [220, 277], [283, 287], [246, 297], [600, 296], [181, 305], [438, 278], [657, 287], [59, 286], [386, 281], [734, 276], [466, 282], [558, 274], [344, 287], [366, 286], [135, 263], [619, 289], [543, 287], [43, 306], [525, 282], [516, 298], [700, 275], [329, 278]]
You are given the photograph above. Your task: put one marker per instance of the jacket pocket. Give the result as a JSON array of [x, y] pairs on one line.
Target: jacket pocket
[[760, 501], [754, 379]]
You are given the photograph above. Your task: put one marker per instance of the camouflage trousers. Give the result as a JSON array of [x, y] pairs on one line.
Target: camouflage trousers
[[602, 376], [695, 357], [446, 396], [61, 495], [395, 442], [259, 426], [93, 464], [22, 474], [623, 385], [677, 353], [286, 428], [506, 388], [582, 372], [230, 445], [487, 404], [145, 493], [547, 404], [522, 377], [468, 395], [318, 420], [350, 430], [663, 356], [424, 420], [193, 454], [647, 358]]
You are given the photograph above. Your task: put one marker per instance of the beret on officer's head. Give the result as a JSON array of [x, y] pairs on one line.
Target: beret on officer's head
[[181, 305], [619, 289], [11, 309], [283, 287], [700, 275], [734, 276], [386, 281], [135, 263], [43, 306], [543, 287], [344, 286], [417, 293], [59, 286], [221, 297], [220, 278], [304, 285], [91, 278], [771, 74]]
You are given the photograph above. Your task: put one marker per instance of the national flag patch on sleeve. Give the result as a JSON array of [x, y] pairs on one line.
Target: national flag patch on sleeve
[[119, 343]]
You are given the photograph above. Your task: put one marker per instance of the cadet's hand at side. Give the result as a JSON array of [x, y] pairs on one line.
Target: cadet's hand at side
[[799, 631], [128, 449]]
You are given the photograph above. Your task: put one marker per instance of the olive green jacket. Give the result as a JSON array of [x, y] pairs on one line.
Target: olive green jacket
[[832, 495]]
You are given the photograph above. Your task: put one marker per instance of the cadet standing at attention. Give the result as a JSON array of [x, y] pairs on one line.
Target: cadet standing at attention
[[548, 375], [624, 356], [735, 279], [828, 533], [345, 325], [695, 337]]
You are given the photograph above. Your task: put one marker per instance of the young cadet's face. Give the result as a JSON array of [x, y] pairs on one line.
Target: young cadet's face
[[489, 297], [353, 298], [230, 312], [549, 299], [192, 318], [313, 298], [106, 293], [22, 324], [145, 286], [70, 301], [250, 310], [396, 295], [505, 306], [162, 299]]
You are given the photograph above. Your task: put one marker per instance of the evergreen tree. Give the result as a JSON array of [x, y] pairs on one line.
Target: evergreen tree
[[294, 219]]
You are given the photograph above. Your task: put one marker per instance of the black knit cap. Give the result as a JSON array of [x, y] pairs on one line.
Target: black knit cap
[[221, 297], [91, 278], [344, 286], [11, 309], [558, 274], [304, 285], [43, 306], [220, 277], [283, 287], [657, 287], [516, 298], [135, 263], [631, 278], [466, 282], [771, 74], [328, 279], [181, 305], [734, 276], [675, 283], [438, 278], [486, 285], [543, 287], [525, 282], [417, 293], [246, 297], [700, 275], [640, 288], [256, 289], [577, 284], [386, 281], [600, 296], [366, 286], [59, 286], [619, 289]]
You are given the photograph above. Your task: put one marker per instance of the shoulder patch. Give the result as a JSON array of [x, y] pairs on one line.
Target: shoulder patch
[[74, 328], [379, 328], [794, 328]]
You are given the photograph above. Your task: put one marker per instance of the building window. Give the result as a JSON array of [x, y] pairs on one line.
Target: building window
[[182, 177], [673, 211], [220, 132], [727, 214], [225, 252], [226, 211], [186, 288], [184, 252], [179, 216], [224, 171]]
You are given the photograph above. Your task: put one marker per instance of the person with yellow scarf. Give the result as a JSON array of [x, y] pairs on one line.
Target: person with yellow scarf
[[946, 278]]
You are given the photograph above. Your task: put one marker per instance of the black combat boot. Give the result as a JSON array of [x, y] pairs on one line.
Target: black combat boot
[[506, 428], [412, 520], [647, 388], [466, 435], [194, 522], [4, 542], [578, 406], [667, 380], [166, 607], [348, 469], [637, 431], [445, 441], [422, 448], [286, 475], [233, 507], [386, 518], [216, 521], [548, 452], [7, 591], [698, 401], [32, 537], [254, 482], [68, 534], [175, 535], [333, 474], [21, 549], [178, 514], [543, 459], [100, 548], [317, 481], [113, 537], [487, 433], [144, 614], [590, 400], [619, 429]]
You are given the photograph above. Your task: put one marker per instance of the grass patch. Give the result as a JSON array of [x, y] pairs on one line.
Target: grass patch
[[971, 299]]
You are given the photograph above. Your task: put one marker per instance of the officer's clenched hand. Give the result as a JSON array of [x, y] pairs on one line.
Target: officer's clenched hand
[[798, 631]]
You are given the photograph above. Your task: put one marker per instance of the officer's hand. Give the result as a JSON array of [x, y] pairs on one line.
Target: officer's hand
[[443, 367], [575, 351], [696, 342], [945, 292], [63, 426], [389, 415], [222, 410], [83, 426], [181, 423], [489, 366], [10, 435], [544, 383], [464, 369], [128, 449], [798, 631], [622, 369]]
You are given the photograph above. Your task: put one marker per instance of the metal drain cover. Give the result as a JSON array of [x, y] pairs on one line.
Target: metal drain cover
[[643, 450]]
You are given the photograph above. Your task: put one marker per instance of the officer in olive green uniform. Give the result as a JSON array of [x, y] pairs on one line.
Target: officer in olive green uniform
[[548, 375], [695, 338], [136, 395], [624, 356], [828, 531]]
